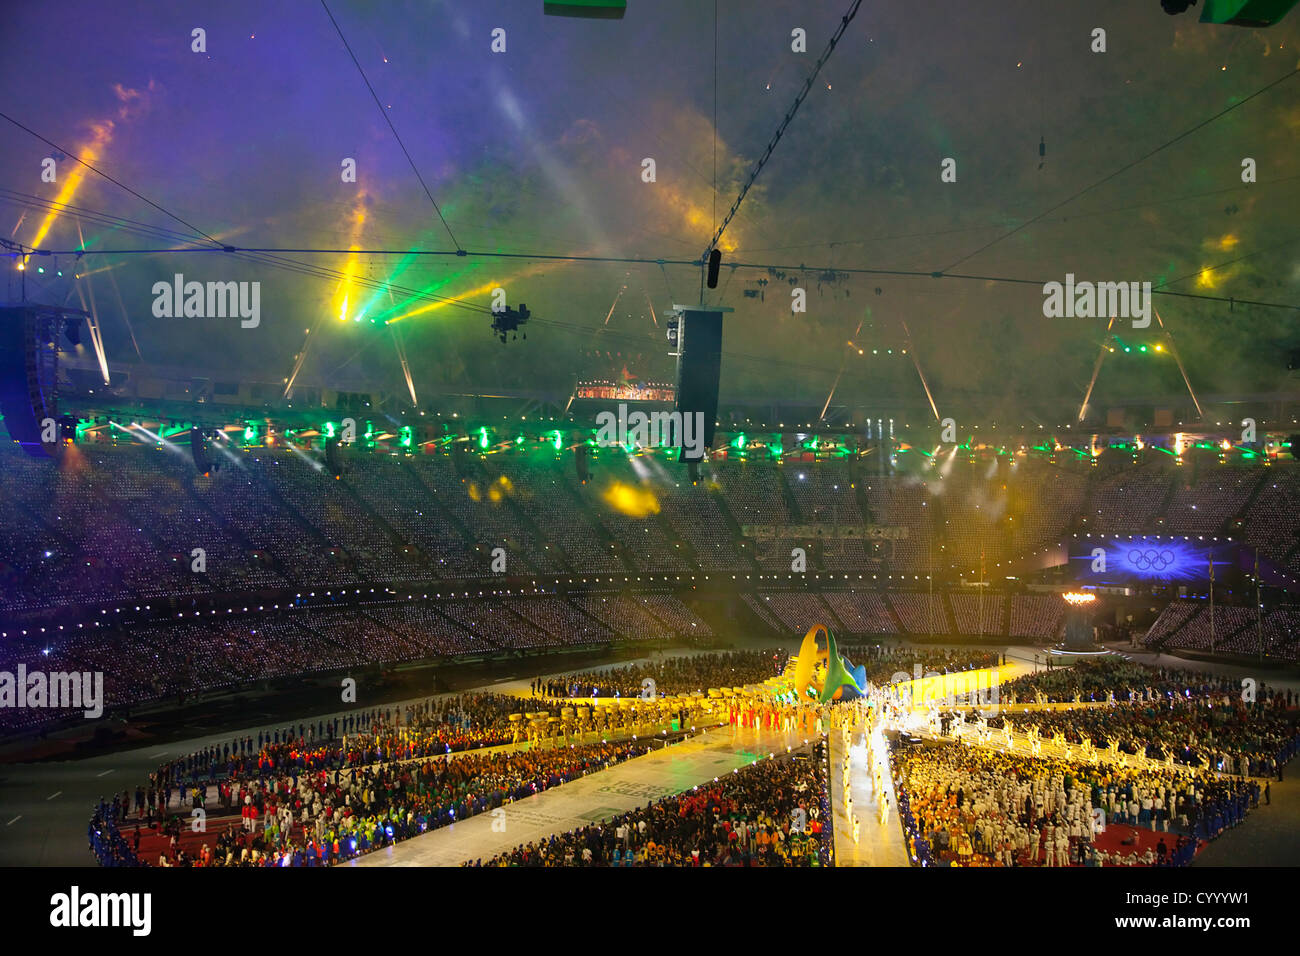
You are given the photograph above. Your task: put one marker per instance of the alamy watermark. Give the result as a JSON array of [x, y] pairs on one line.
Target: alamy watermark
[[1098, 300], [213, 300], [77, 691], [647, 429], [75, 909], [975, 688]]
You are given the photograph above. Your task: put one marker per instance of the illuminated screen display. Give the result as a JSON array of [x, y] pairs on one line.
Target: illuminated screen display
[[627, 391], [1148, 558]]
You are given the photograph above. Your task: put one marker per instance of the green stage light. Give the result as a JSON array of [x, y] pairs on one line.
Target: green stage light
[[483, 438], [557, 439], [404, 436]]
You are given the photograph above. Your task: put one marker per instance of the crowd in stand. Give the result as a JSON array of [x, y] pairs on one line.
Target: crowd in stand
[[772, 813], [297, 816], [971, 806], [672, 675], [1115, 678]]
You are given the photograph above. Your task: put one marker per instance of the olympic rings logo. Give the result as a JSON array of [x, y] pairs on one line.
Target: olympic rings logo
[[1151, 559]]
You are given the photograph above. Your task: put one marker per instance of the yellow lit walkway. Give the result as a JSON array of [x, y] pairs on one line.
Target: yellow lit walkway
[[877, 844]]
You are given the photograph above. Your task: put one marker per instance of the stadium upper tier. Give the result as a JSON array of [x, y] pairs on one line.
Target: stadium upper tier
[[132, 522]]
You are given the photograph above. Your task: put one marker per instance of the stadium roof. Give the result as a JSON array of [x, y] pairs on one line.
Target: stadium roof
[[539, 150]]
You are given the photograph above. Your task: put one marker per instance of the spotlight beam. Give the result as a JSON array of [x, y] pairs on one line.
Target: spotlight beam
[[1177, 358], [1096, 369], [406, 368]]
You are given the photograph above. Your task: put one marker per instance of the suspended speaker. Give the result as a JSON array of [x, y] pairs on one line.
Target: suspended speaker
[[715, 261], [699, 370], [199, 450], [334, 457]]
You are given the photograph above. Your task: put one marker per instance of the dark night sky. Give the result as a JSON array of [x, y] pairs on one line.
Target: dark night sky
[[538, 150]]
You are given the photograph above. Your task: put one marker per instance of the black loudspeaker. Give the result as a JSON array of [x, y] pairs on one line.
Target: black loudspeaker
[[580, 463], [199, 450], [715, 261], [699, 368], [29, 376], [334, 457]]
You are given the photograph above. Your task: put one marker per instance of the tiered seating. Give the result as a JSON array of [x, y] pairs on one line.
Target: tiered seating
[[560, 619], [641, 539], [425, 625], [341, 518], [389, 487], [760, 607], [1046, 500], [546, 494], [920, 613], [1272, 523], [1128, 500], [799, 610], [861, 612], [824, 494], [367, 636], [849, 554], [131, 673], [1281, 633], [33, 557], [676, 615], [902, 502], [975, 527], [496, 623], [1174, 616], [238, 497], [1196, 633], [622, 614], [1036, 616], [753, 492], [695, 515], [977, 616], [1204, 508]]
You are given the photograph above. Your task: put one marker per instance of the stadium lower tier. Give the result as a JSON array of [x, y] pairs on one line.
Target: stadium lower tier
[[165, 662]]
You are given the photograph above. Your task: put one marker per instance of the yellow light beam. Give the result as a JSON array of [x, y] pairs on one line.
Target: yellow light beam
[[102, 135]]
